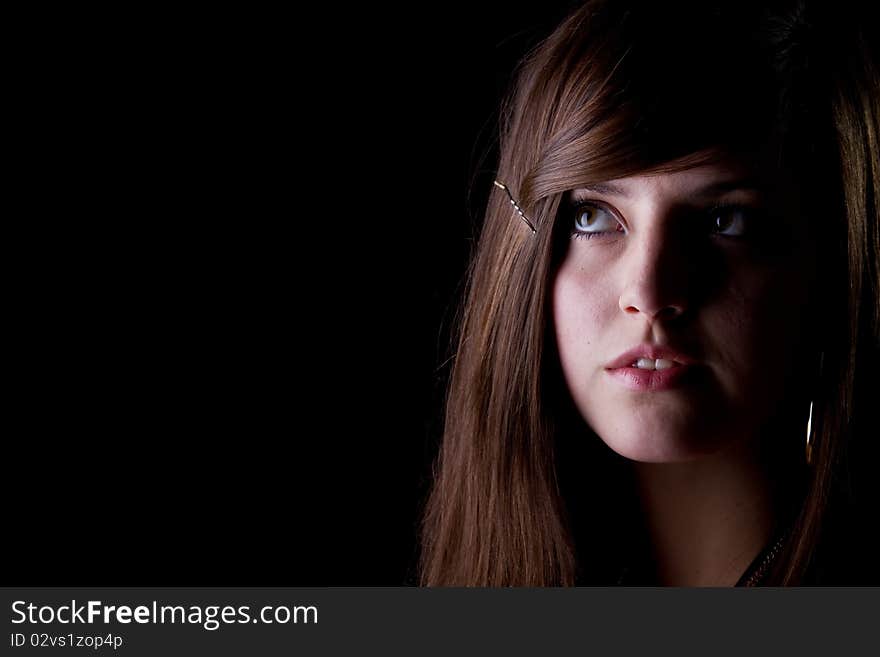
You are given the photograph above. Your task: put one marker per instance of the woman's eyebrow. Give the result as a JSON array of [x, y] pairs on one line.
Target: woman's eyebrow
[[738, 184], [712, 189], [606, 189]]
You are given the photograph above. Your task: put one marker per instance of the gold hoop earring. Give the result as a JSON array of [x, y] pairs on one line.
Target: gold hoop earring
[[809, 446]]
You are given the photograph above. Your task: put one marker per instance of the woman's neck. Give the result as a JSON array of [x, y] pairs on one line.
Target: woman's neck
[[707, 519]]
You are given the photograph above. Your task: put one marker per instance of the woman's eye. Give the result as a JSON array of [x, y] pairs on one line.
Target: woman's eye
[[592, 219], [729, 221]]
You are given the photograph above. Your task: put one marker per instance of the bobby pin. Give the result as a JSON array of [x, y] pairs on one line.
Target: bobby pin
[[516, 206]]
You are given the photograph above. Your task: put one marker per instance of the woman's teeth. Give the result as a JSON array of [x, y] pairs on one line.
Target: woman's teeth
[[651, 364]]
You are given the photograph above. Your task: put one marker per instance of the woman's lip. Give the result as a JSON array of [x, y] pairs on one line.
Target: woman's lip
[[641, 380], [652, 351]]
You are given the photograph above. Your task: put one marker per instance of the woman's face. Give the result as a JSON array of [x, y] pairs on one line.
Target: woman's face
[[650, 265]]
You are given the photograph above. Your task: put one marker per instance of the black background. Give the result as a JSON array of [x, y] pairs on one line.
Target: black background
[[237, 244]]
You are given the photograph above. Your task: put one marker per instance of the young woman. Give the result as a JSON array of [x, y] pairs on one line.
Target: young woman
[[662, 367]]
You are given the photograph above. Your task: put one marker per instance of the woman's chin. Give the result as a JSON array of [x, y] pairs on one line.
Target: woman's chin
[[661, 446]]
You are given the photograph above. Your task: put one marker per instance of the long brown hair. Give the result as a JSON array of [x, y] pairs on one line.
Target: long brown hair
[[597, 100]]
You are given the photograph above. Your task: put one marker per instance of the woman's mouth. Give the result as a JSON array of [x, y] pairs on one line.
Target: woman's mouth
[[649, 375], [652, 364]]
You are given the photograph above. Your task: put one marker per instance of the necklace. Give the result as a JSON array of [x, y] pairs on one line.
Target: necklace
[[757, 571]]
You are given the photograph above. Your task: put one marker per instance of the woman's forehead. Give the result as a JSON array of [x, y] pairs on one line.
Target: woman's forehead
[[707, 180], [721, 174]]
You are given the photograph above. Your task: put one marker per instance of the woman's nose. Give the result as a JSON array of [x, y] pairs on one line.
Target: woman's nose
[[656, 278]]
